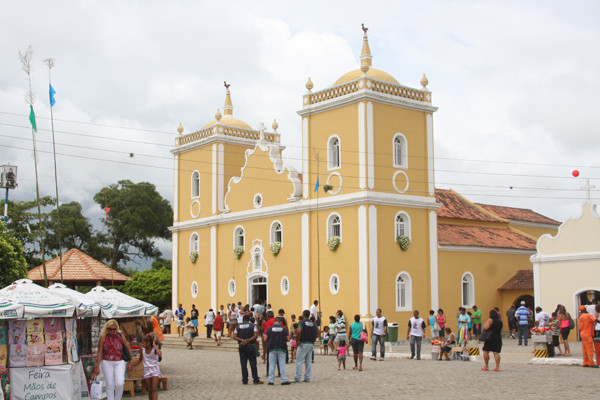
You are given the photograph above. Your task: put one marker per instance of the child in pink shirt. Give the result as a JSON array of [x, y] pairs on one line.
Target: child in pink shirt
[[341, 354]]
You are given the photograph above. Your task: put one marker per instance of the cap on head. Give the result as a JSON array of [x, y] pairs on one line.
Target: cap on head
[[582, 308]]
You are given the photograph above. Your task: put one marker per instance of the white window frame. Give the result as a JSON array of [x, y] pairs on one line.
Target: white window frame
[[398, 137], [236, 234], [274, 232], [467, 278], [194, 289], [407, 280], [193, 182], [332, 279], [194, 243], [330, 219], [285, 286], [231, 286], [333, 152], [258, 200], [406, 223]]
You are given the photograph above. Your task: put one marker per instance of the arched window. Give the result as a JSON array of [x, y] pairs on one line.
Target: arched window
[[194, 243], [400, 151], [276, 232], [403, 292], [195, 184], [402, 225], [238, 237], [468, 290], [334, 226], [333, 153]]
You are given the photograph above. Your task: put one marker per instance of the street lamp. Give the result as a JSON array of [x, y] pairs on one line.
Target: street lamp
[[8, 180]]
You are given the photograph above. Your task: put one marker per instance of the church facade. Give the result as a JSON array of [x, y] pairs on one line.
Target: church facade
[[361, 227]]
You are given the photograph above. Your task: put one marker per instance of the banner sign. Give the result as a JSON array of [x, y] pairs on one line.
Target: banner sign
[[60, 382]]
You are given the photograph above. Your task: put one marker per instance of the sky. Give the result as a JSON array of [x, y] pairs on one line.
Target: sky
[[516, 83]]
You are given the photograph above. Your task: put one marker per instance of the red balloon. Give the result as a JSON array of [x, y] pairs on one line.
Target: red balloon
[[575, 173]]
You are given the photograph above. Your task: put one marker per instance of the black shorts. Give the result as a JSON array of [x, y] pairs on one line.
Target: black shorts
[[357, 345], [442, 332], [564, 333], [555, 341], [512, 325]]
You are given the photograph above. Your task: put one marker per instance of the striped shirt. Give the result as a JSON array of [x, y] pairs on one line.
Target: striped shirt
[[522, 315], [341, 323]]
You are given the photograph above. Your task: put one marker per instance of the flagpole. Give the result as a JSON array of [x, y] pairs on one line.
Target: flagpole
[[50, 63], [318, 240], [26, 61]]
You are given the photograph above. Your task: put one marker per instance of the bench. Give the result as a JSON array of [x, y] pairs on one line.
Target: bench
[[129, 386], [164, 381]]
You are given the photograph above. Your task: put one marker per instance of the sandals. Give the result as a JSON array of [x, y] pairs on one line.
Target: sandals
[[496, 370], [485, 369], [360, 368]]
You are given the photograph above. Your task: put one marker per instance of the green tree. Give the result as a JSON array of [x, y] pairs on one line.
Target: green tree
[[23, 225], [152, 286], [75, 230], [161, 263], [137, 216], [13, 265]]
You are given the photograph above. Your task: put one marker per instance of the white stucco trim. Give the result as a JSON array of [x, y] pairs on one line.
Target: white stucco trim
[[433, 260], [407, 225], [192, 184], [328, 226], [175, 187], [373, 266], [272, 231], [332, 192], [305, 158], [537, 288], [473, 249], [362, 168], [403, 155], [220, 176], [213, 267], [363, 261], [366, 94], [394, 181], [337, 202], [329, 146], [174, 270], [430, 157], [216, 138], [472, 289], [214, 179], [192, 213], [305, 260], [582, 256], [370, 147], [194, 289], [533, 224]]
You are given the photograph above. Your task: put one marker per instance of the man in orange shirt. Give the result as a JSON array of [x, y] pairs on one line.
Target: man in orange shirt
[[586, 330]]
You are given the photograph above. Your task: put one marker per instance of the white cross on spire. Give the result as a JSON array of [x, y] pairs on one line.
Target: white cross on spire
[[588, 188]]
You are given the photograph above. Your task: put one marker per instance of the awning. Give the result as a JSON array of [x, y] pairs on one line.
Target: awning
[[114, 306], [37, 301], [85, 306]]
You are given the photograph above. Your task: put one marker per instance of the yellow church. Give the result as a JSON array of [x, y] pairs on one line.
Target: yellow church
[[360, 227]]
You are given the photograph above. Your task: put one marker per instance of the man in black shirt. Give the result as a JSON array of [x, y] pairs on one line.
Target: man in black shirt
[[246, 333], [307, 334], [277, 338], [194, 316]]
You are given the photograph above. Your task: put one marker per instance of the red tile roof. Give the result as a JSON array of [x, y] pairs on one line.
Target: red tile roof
[[522, 279], [456, 206], [519, 214], [78, 267], [476, 236]]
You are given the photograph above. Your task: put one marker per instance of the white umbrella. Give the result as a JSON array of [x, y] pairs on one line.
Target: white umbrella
[[37, 301], [150, 308], [85, 306], [10, 309], [114, 306]]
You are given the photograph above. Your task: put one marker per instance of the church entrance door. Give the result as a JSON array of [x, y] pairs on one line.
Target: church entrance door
[[258, 290]]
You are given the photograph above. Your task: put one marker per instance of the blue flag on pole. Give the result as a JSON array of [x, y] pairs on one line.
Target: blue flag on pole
[[317, 185], [52, 93]]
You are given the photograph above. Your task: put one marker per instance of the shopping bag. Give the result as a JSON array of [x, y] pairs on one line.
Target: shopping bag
[[96, 390]]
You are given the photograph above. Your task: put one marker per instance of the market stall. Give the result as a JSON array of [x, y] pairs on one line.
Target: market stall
[[41, 345]]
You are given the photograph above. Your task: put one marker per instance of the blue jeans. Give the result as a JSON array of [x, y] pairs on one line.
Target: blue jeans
[[374, 340], [248, 353], [523, 333], [277, 358], [304, 353], [415, 340]]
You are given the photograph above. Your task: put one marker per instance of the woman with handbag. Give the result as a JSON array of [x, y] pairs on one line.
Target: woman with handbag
[[492, 340], [113, 352], [566, 324], [358, 337]]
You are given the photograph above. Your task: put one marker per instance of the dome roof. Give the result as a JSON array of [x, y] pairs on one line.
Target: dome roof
[[374, 73], [229, 121]]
